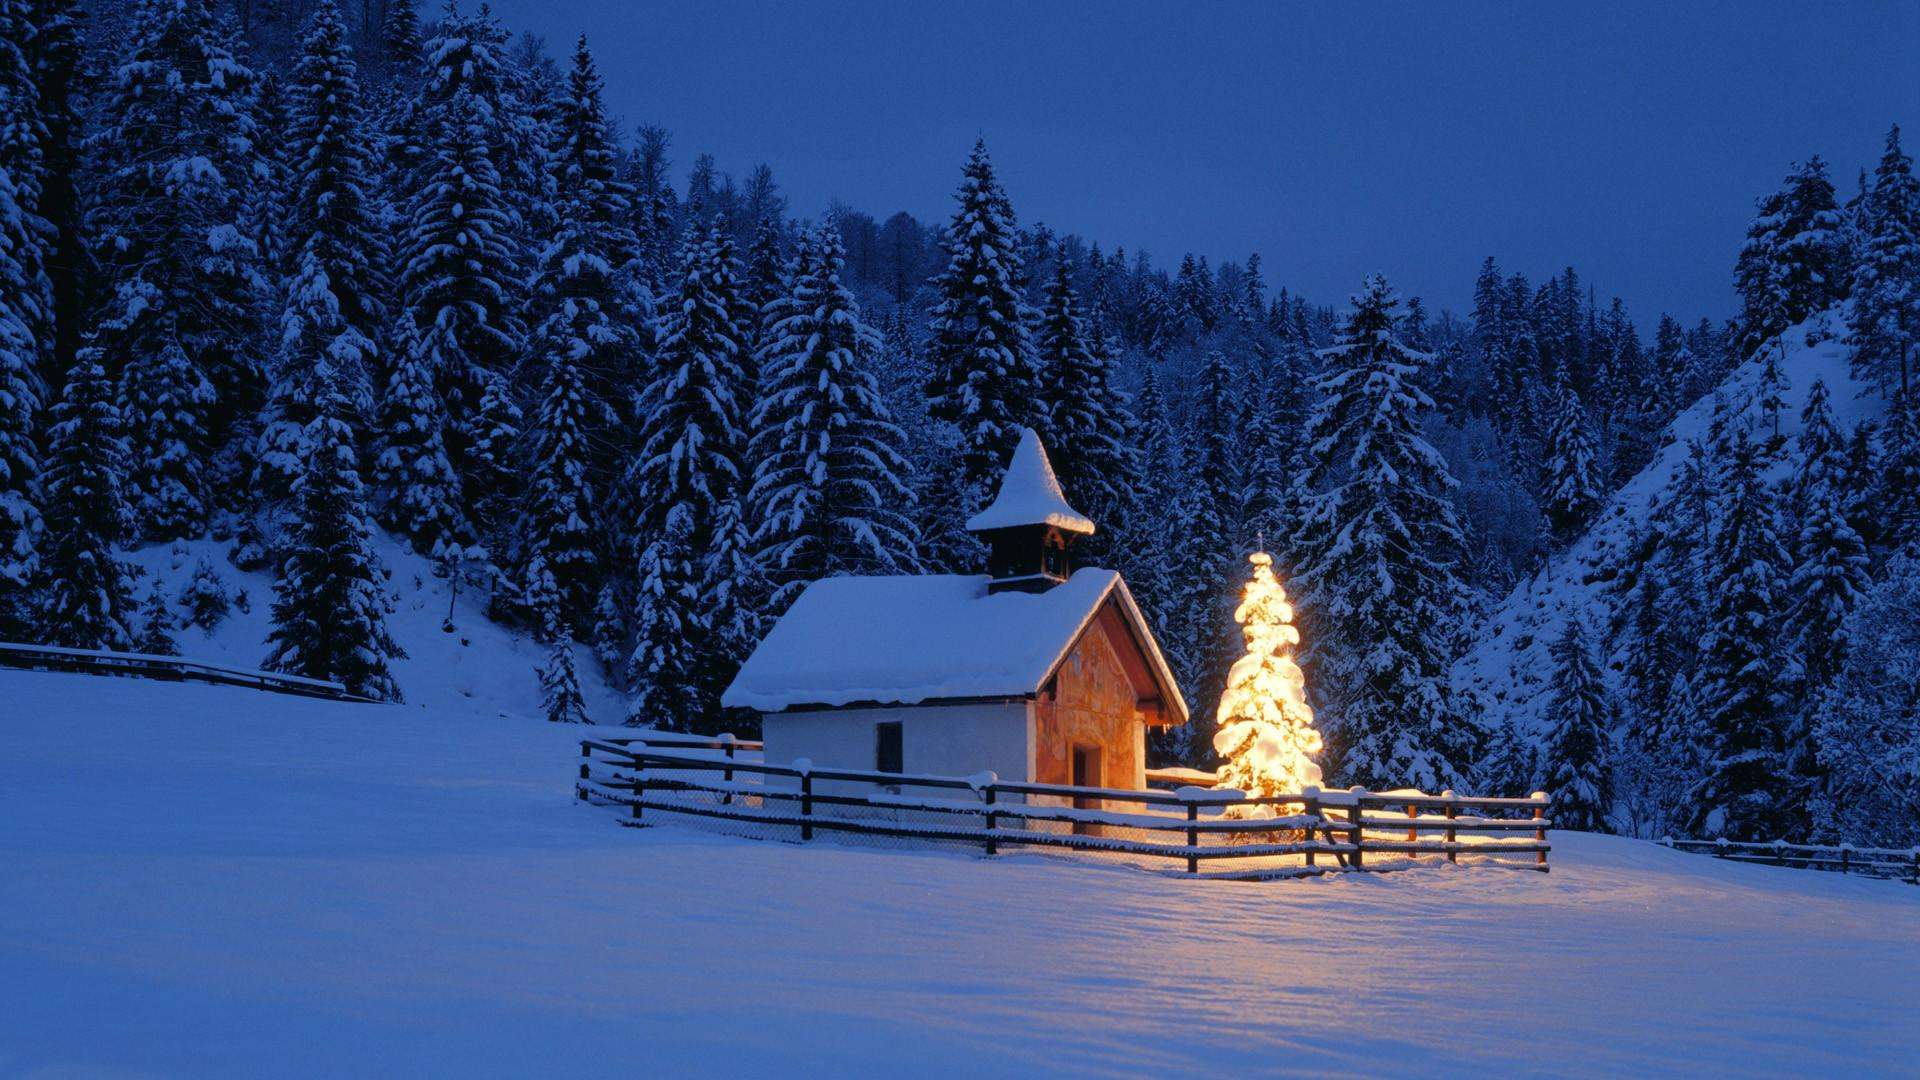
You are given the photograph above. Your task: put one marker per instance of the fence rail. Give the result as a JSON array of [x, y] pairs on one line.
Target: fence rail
[[169, 668], [721, 779], [1897, 863]]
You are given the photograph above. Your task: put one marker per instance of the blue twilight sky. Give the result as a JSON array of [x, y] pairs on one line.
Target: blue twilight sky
[[1627, 138]]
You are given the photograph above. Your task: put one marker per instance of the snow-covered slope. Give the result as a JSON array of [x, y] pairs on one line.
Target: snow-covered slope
[[481, 666], [208, 881], [1509, 668]]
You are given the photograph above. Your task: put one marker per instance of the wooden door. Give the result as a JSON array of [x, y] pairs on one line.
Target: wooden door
[[1086, 773]]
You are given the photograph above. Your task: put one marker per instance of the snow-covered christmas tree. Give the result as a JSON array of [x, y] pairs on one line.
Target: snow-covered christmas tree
[[1266, 729]]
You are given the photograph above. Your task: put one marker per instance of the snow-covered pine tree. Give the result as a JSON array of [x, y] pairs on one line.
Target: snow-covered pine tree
[[54, 50], [1086, 420], [20, 388], [687, 485], [1511, 764], [1570, 490], [155, 636], [669, 629], [419, 494], [1895, 512], [1211, 527], [585, 346], [827, 489], [1264, 728], [329, 610], [1379, 549], [462, 259], [1885, 317], [1793, 264], [1744, 792], [170, 229], [334, 305], [205, 596], [1829, 575], [560, 696], [86, 594], [1869, 746], [983, 373], [1579, 764], [26, 247]]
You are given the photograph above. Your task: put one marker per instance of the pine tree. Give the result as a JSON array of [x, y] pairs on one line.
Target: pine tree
[[1510, 766], [329, 611], [1086, 417], [1570, 489], [87, 599], [1264, 728], [420, 495], [560, 527], [54, 51], [170, 228], [1885, 318], [687, 484], [1744, 791], [1792, 265], [559, 680], [1869, 746], [1896, 466], [155, 636], [983, 369], [827, 487], [1379, 548], [461, 259], [334, 308], [20, 389], [1579, 766]]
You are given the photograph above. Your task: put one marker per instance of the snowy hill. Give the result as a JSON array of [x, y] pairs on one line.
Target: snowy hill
[[1509, 667], [209, 881], [481, 666]]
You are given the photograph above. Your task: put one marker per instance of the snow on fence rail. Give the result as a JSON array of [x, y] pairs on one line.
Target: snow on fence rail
[[676, 775], [1903, 864], [172, 668]]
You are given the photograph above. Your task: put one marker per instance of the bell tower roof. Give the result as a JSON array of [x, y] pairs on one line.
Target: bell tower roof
[[1030, 495]]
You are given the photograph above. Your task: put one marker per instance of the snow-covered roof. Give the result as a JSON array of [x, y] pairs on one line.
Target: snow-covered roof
[[1030, 494], [907, 640]]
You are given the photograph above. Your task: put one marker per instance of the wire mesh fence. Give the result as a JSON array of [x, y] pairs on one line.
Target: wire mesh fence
[[722, 785]]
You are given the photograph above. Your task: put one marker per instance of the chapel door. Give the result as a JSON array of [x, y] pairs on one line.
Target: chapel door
[[1086, 773]]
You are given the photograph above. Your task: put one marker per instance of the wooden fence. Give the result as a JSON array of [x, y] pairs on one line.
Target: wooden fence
[[169, 668], [1842, 858], [1326, 830]]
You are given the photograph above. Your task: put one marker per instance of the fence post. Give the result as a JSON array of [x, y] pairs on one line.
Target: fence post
[[1413, 833], [726, 746], [1193, 837], [1539, 831], [1779, 852], [1353, 819], [586, 755], [990, 794], [1915, 879], [1846, 857], [639, 789], [1310, 806], [1453, 812], [806, 805]]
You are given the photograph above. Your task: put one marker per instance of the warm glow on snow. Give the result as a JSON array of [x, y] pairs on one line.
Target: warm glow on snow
[[1266, 729]]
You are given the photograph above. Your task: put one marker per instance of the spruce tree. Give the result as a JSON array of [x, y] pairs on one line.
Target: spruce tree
[[1744, 791], [20, 389], [171, 233], [1570, 491], [1379, 549], [54, 49], [1792, 265], [1885, 317], [687, 483], [155, 636], [1578, 761], [560, 530], [87, 599], [827, 488], [329, 609], [983, 379], [335, 311], [560, 696], [1868, 743], [419, 493], [1085, 416]]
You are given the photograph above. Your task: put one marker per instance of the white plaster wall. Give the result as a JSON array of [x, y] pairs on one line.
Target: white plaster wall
[[941, 740]]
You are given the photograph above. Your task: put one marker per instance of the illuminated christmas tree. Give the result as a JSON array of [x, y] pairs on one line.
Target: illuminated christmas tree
[[1265, 727]]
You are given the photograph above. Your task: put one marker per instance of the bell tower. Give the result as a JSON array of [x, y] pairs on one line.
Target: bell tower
[[1029, 528]]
